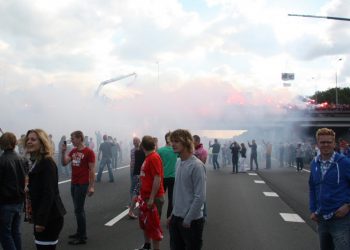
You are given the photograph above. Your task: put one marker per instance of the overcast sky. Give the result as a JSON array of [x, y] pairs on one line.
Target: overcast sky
[[215, 59]]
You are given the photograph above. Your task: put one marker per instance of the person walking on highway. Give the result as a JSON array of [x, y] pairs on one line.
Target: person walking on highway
[[106, 150], [243, 153], [199, 151], [329, 196], [268, 153], [216, 150], [47, 207], [186, 222], [299, 153], [253, 155], [12, 179], [169, 159], [235, 148], [137, 159], [151, 189], [82, 159]]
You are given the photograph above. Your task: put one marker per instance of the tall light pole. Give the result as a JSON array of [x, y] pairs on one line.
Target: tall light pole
[[315, 82], [158, 71], [336, 82]]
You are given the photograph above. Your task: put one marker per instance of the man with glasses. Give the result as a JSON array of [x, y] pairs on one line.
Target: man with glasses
[[329, 185]]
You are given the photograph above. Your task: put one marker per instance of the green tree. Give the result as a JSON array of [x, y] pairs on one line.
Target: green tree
[[329, 96]]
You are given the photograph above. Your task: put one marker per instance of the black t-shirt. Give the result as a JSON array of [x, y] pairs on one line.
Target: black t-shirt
[[139, 159]]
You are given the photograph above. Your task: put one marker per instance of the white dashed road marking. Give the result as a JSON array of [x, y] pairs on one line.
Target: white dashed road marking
[[252, 174], [259, 182], [270, 194], [292, 217]]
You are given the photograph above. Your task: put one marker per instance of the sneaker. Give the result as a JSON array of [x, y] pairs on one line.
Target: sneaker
[[132, 215], [77, 242]]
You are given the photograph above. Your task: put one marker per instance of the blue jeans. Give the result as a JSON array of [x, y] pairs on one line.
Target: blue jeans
[[103, 162], [78, 192], [10, 221], [215, 161], [334, 233]]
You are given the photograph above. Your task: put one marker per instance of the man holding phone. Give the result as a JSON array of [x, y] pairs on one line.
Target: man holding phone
[[82, 159]]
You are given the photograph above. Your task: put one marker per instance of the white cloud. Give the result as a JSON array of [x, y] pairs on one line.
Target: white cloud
[[208, 64]]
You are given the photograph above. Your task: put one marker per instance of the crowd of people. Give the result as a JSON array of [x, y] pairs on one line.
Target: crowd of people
[[29, 182]]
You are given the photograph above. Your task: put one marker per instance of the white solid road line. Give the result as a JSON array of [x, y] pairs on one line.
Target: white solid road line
[[117, 218], [65, 181], [292, 217]]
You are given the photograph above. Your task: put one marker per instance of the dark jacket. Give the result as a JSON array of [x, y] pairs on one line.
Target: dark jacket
[[243, 152], [216, 148], [12, 174], [44, 193], [235, 150], [139, 159]]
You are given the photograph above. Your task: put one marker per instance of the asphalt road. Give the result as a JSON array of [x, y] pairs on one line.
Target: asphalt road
[[240, 215]]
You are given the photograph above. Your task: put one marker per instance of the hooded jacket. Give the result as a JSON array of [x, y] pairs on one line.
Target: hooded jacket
[[329, 193]]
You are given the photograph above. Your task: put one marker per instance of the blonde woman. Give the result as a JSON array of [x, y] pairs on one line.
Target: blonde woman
[[47, 207]]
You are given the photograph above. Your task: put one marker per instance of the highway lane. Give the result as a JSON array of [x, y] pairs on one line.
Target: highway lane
[[293, 189], [240, 215]]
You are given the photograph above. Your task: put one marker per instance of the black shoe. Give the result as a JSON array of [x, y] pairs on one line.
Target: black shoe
[[73, 236], [76, 236], [77, 242], [144, 247]]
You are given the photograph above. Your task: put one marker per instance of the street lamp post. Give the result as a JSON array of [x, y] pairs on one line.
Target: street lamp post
[[336, 83]]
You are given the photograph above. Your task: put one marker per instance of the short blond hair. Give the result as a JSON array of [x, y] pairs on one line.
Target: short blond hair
[[325, 131]]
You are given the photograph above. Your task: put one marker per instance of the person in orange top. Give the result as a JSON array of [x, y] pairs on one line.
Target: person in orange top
[[151, 177]]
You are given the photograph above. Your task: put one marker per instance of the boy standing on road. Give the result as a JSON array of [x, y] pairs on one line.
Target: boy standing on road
[[151, 189], [82, 159], [186, 222], [169, 159], [329, 185]]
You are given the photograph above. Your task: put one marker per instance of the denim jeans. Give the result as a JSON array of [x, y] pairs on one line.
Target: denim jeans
[[215, 161], [254, 158], [334, 233], [134, 182], [10, 221], [103, 162], [78, 192]]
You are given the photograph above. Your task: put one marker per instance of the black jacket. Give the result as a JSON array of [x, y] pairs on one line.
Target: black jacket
[[12, 174], [44, 193]]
